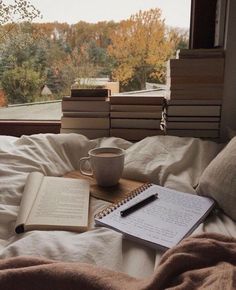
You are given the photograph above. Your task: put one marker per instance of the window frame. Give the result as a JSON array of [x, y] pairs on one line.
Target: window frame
[[28, 127], [198, 36], [202, 23]]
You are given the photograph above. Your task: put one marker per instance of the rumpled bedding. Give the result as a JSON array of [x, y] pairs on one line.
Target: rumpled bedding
[[169, 161], [183, 267]]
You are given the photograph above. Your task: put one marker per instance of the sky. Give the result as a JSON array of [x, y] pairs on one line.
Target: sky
[[175, 12]]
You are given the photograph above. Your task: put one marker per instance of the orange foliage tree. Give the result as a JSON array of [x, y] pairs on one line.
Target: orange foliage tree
[[140, 47]]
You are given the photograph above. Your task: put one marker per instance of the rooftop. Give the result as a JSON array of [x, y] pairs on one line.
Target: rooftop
[[50, 110]]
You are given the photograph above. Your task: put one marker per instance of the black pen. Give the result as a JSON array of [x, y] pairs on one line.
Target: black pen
[[138, 205]]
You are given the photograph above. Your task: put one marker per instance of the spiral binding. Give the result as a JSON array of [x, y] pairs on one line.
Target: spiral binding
[[131, 195]]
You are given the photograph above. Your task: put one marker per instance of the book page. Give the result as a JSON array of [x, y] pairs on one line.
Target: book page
[[165, 221], [61, 202], [31, 188]]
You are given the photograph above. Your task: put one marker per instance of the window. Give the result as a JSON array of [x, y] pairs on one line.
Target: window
[[40, 59]]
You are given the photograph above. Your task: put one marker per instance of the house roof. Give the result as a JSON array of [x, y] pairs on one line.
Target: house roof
[[46, 91]]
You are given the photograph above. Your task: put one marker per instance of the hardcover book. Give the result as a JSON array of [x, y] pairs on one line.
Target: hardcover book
[[89, 133], [53, 203], [85, 106], [136, 123], [90, 92], [137, 100], [137, 115], [200, 53], [193, 125], [85, 123], [136, 108], [196, 67], [198, 133], [195, 110], [134, 135]]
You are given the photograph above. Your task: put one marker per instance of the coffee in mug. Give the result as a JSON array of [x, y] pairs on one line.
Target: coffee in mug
[[106, 165]]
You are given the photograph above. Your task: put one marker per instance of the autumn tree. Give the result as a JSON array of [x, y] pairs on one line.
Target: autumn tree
[[91, 41], [177, 37], [140, 48]]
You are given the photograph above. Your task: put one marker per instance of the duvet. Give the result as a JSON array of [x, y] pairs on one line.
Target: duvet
[[166, 160]]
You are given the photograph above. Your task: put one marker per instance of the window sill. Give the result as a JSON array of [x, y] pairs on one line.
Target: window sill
[[27, 127]]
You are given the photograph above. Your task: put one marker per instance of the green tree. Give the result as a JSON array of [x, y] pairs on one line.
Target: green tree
[[22, 84], [10, 16], [24, 54]]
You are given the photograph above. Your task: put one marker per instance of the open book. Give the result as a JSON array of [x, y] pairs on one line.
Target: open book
[[163, 222], [53, 203]]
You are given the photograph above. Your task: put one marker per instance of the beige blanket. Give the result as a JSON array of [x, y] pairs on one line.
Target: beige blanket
[[206, 261]]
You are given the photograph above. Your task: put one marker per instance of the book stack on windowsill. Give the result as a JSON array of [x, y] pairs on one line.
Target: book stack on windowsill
[[194, 118], [86, 112], [135, 117], [194, 93]]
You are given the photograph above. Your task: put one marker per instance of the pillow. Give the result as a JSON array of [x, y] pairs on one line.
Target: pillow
[[218, 180]]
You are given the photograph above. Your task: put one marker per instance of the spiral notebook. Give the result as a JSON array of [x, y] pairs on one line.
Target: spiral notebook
[[162, 223]]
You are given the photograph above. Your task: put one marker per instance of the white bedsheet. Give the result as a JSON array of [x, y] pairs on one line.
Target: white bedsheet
[[169, 161]]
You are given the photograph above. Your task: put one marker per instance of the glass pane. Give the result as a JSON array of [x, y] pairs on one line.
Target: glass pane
[[120, 45]]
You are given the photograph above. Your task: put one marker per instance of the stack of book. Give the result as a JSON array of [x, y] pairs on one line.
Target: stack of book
[[86, 112], [200, 53], [134, 117], [194, 118], [194, 93], [195, 78]]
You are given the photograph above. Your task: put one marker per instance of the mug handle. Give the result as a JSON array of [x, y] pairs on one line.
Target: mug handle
[[81, 163]]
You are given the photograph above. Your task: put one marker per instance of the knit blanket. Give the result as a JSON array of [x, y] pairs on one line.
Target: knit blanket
[[206, 261]]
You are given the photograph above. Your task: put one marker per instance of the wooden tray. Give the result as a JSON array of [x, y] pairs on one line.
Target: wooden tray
[[112, 193]]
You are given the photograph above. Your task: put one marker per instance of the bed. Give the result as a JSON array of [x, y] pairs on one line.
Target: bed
[[100, 253]]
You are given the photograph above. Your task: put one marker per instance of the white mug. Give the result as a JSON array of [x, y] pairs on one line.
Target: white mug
[[106, 165]]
